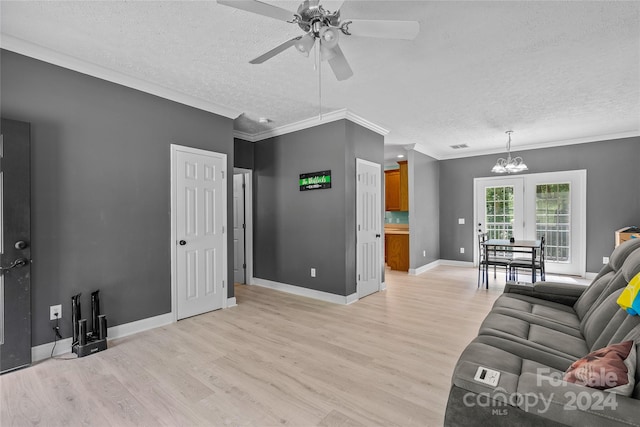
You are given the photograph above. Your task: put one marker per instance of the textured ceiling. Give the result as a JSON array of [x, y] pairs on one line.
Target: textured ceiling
[[551, 71]]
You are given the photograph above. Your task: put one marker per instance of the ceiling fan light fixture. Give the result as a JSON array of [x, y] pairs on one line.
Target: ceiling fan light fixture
[[329, 37], [305, 44], [326, 26]]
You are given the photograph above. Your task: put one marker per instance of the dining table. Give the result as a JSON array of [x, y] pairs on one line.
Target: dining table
[[531, 247]]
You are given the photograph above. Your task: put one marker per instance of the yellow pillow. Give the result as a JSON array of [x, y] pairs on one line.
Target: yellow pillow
[[629, 299]]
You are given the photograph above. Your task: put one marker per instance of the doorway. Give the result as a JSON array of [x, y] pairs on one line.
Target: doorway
[[242, 225], [15, 245], [530, 206], [198, 231], [369, 256]]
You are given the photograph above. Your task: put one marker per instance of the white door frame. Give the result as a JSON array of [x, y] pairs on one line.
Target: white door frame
[[174, 228], [578, 198], [496, 181], [248, 220], [379, 240]]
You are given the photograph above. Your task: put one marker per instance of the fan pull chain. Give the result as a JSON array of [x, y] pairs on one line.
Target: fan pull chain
[[319, 83]]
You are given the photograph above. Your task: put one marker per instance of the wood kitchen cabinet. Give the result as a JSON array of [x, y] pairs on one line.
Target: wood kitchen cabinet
[[396, 190], [397, 251], [392, 190], [404, 185]]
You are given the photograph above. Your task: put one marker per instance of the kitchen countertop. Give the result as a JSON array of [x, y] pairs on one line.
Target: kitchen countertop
[[396, 229]]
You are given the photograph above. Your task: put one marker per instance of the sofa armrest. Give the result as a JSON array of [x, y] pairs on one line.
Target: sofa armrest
[[523, 288], [563, 293]]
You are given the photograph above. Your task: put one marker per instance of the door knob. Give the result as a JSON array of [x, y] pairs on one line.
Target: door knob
[[377, 235], [182, 242], [20, 262], [21, 244]]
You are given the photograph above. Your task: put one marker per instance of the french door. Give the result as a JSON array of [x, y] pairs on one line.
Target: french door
[[530, 206]]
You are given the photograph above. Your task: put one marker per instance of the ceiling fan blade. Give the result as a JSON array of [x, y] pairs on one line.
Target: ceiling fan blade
[[339, 65], [260, 8], [403, 30], [276, 50]]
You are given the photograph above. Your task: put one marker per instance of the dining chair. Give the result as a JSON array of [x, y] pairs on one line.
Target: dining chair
[[490, 257], [525, 263]]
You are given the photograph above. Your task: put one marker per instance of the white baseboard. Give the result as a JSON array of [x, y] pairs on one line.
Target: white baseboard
[[63, 346], [352, 298], [231, 302], [43, 351], [426, 267], [383, 286], [305, 292], [454, 263]]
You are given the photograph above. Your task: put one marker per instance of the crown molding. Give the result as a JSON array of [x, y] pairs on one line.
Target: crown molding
[[549, 144], [421, 148], [424, 149], [44, 54], [312, 122], [243, 135]]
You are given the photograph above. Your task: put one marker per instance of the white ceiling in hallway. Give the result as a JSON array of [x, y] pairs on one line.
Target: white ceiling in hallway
[[551, 71]]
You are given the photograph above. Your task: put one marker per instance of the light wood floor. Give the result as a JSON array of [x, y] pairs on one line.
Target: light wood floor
[[275, 359]]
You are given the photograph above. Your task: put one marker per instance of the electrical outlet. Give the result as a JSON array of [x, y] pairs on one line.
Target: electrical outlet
[[461, 250], [313, 272], [461, 221], [605, 260], [53, 310]]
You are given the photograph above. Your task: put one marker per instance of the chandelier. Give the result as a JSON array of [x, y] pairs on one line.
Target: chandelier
[[509, 165]]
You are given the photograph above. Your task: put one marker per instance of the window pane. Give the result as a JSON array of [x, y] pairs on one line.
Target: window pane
[[499, 212], [553, 204]]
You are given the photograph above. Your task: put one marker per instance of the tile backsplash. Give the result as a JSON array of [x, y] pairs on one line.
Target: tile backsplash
[[396, 217]]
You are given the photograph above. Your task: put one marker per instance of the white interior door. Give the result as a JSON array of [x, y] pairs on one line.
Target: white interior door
[[15, 245], [200, 238], [239, 263], [369, 227]]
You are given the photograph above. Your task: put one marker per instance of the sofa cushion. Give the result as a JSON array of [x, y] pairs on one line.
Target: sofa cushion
[[629, 269], [592, 293], [523, 351], [616, 261], [610, 368], [528, 308], [567, 343]]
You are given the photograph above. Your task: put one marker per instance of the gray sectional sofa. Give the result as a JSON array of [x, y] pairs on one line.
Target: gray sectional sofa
[[531, 337]]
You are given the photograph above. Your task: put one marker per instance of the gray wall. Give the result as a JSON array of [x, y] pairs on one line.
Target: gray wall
[[363, 144], [297, 230], [100, 188], [613, 192], [242, 154], [424, 209]]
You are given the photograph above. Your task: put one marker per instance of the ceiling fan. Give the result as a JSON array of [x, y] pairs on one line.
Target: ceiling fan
[[326, 27]]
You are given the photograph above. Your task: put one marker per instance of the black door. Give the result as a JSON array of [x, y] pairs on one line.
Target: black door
[[15, 249]]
